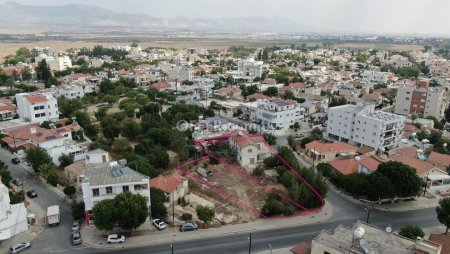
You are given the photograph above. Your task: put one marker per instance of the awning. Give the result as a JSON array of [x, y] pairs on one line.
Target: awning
[[436, 177], [5, 234]]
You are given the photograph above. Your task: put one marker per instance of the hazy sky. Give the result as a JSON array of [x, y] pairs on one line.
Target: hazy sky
[[388, 16]]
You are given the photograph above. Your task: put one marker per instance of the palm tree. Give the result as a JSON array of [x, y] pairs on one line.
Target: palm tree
[[46, 169]]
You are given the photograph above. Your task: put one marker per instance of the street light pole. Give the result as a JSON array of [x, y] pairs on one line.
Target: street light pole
[[368, 212], [426, 184], [171, 248], [250, 243], [270, 248]]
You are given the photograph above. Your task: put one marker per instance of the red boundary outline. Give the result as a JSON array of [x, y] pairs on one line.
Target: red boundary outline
[[224, 139]]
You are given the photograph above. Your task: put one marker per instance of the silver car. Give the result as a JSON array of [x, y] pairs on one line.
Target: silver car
[[19, 247]]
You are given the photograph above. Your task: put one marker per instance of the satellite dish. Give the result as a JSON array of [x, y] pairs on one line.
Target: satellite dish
[[357, 158], [359, 232], [388, 229]]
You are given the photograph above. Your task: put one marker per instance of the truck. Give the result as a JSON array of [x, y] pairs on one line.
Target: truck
[[53, 216]]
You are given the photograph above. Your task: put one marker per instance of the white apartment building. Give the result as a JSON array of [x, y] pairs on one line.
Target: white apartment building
[[13, 218], [250, 67], [361, 125], [181, 73], [70, 91], [375, 76], [106, 180], [37, 107], [278, 114], [55, 63]]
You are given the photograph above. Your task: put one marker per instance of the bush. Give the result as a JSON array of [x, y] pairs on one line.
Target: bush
[[16, 197], [186, 216], [69, 190], [258, 171], [77, 210], [411, 232], [271, 162], [53, 179]]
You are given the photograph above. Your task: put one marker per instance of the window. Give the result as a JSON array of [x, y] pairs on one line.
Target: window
[[137, 187], [95, 192], [125, 188], [36, 108], [109, 190], [250, 150]]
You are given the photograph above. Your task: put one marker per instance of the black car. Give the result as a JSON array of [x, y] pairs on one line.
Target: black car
[[15, 160], [17, 182], [32, 194]]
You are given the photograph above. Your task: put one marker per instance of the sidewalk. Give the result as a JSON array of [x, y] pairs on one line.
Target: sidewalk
[[419, 202], [97, 239]]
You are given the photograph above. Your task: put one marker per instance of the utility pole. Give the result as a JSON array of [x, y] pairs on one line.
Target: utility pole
[[250, 243], [426, 184], [270, 248], [173, 210], [314, 156], [171, 248], [368, 212]]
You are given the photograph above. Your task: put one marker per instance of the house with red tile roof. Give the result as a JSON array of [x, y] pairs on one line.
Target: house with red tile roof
[[443, 240], [439, 160], [228, 92], [37, 107], [269, 81], [173, 185], [8, 110], [250, 150], [258, 96], [320, 151], [295, 88], [162, 86], [345, 167]]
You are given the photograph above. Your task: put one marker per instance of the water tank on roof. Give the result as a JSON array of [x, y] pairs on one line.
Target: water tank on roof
[[359, 232]]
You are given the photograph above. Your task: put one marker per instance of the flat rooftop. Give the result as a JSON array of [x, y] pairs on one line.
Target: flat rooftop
[[385, 116], [104, 174]]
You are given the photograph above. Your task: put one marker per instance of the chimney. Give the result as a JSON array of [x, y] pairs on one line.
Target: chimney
[[33, 130]]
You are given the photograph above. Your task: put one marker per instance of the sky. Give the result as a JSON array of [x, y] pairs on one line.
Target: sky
[[363, 16]]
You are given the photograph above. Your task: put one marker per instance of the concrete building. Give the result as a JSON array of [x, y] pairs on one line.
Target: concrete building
[[13, 218], [106, 180], [180, 73], [363, 126], [174, 186], [278, 114], [250, 68], [250, 150], [70, 91], [319, 151], [420, 99], [56, 63], [364, 239], [375, 76], [37, 107]]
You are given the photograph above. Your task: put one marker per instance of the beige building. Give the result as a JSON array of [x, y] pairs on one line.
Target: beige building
[[249, 150], [325, 152], [362, 239]]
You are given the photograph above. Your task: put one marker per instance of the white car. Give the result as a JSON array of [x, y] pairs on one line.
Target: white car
[[115, 238], [16, 248], [159, 224]]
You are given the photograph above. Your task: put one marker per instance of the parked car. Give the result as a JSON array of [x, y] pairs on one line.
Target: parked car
[[19, 247], [159, 224], [17, 182], [75, 226], [76, 238], [188, 226], [299, 135], [32, 194], [15, 160], [115, 238]]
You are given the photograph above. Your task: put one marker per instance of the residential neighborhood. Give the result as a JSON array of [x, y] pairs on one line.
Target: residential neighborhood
[[287, 143]]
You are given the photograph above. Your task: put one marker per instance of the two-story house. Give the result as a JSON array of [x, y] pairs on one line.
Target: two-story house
[[249, 149], [37, 107]]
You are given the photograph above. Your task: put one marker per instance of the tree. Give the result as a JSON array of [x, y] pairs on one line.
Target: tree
[[5, 174], [43, 71], [36, 157], [404, 178], [411, 232], [110, 99], [316, 134], [443, 213], [23, 51], [205, 213], [26, 73], [447, 114], [131, 210], [104, 212], [66, 160], [157, 198], [414, 117], [270, 138], [258, 171], [130, 129], [435, 136], [70, 190], [77, 210], [271, 91]]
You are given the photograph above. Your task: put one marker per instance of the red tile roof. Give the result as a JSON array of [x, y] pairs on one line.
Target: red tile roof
[[410, 151], [410, 128], [161, 85], [345, 167], [439, 159], [371, 162], [420, 166], [243, 141], [35, 98], [269, 81], [302, 248], [323, 147], [293, 86], [167, 183], [443, 240], [258, 96]]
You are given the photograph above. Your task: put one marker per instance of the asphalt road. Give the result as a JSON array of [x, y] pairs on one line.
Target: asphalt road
[[57, 239]]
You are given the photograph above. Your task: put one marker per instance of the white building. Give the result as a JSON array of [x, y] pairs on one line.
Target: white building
[[363, 126], [70, 91], [55, 63], [278, 114], [106, 180], [250, 68], [181, 73], [37, 107], [375, 76], [13, 218]]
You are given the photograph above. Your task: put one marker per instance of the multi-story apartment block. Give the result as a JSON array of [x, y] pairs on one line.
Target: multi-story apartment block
[[100, 181], [279, 114], [55, 63], [375, 76], [363, 126], [181, 73], [421, 100], [250, 67], [37, 107]]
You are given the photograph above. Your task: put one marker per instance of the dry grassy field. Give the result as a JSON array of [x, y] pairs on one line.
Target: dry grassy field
[[206, 42]]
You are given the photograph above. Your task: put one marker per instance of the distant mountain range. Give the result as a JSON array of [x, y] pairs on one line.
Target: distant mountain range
[[84, 18]]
